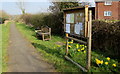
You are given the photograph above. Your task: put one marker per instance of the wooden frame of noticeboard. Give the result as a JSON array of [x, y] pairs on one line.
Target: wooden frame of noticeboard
[[78, 22]]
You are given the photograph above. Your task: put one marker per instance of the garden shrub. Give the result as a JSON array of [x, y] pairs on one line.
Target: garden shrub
[[106, 37]]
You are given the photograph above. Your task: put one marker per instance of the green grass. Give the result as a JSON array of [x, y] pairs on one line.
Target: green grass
[[5, 38], [0, 48], [54, 54]]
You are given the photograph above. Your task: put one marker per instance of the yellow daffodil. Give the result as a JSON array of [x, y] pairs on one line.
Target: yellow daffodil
[[101, 62], [98, 61], [108, 58], [58, 45], [69, 46], [85, 46], [114, 65], [84, 51], [77, 46], [72, 40], [80, 45], [82, 48], [106, 63], [78, 49]]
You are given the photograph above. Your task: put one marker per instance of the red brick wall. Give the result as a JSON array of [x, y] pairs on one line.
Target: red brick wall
[[119, 10], [100, 8]]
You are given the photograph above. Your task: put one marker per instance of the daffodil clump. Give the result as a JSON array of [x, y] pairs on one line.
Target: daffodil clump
[[76, 48], [77, 52], [106, 63], [81, 48], [70, 42], [99, 62]]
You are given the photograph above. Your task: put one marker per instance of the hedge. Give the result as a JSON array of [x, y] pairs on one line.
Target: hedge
[[50, 20], [106, 37]]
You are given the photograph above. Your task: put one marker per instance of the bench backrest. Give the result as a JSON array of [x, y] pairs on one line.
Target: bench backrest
[[46, 29]]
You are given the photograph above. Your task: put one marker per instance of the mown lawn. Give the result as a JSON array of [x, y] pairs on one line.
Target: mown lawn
[[54, 53], [5, 38]]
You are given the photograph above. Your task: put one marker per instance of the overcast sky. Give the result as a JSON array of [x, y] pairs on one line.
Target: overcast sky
[[31, 6]]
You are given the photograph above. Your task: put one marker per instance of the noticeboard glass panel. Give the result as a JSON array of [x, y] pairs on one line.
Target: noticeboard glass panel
[[76, 23], [70, 18], [67, 28]]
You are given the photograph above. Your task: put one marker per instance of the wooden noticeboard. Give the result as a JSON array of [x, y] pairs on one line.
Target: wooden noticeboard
[[77, 22]]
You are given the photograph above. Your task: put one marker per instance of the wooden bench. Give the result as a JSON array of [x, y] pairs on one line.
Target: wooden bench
[[44, 32]]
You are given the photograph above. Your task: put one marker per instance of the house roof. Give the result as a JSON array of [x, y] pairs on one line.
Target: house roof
[[104, 0], [101, 0]]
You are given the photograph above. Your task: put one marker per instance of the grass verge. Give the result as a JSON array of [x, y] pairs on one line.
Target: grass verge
[[5, 38], [54, 53]]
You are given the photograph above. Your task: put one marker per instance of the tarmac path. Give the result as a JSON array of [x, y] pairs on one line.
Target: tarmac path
[[22, 56]]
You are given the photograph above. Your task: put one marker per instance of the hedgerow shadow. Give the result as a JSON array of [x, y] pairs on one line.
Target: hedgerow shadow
[[58, 51]]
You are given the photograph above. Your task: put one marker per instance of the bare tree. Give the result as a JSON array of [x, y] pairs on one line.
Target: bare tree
[[21, 5]]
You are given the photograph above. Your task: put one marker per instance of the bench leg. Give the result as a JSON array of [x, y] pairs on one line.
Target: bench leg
[[50, 36], [43, 37]]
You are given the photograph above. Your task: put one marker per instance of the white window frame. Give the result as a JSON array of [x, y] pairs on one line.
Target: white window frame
[[107, 13], [108, 3]]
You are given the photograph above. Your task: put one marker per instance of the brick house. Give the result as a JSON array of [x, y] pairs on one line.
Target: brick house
[[107, 10]]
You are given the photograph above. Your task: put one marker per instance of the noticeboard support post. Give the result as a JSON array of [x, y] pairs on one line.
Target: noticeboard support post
[[66, 44], [89, 40], [86, 21]]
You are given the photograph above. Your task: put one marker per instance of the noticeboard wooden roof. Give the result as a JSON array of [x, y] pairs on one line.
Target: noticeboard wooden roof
[[74, 8]]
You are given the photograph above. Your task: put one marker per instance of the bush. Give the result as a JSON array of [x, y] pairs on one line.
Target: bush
[[106, 37], [50, 20], [4, 16], [2, 20], [26, 18], [55, 22]]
